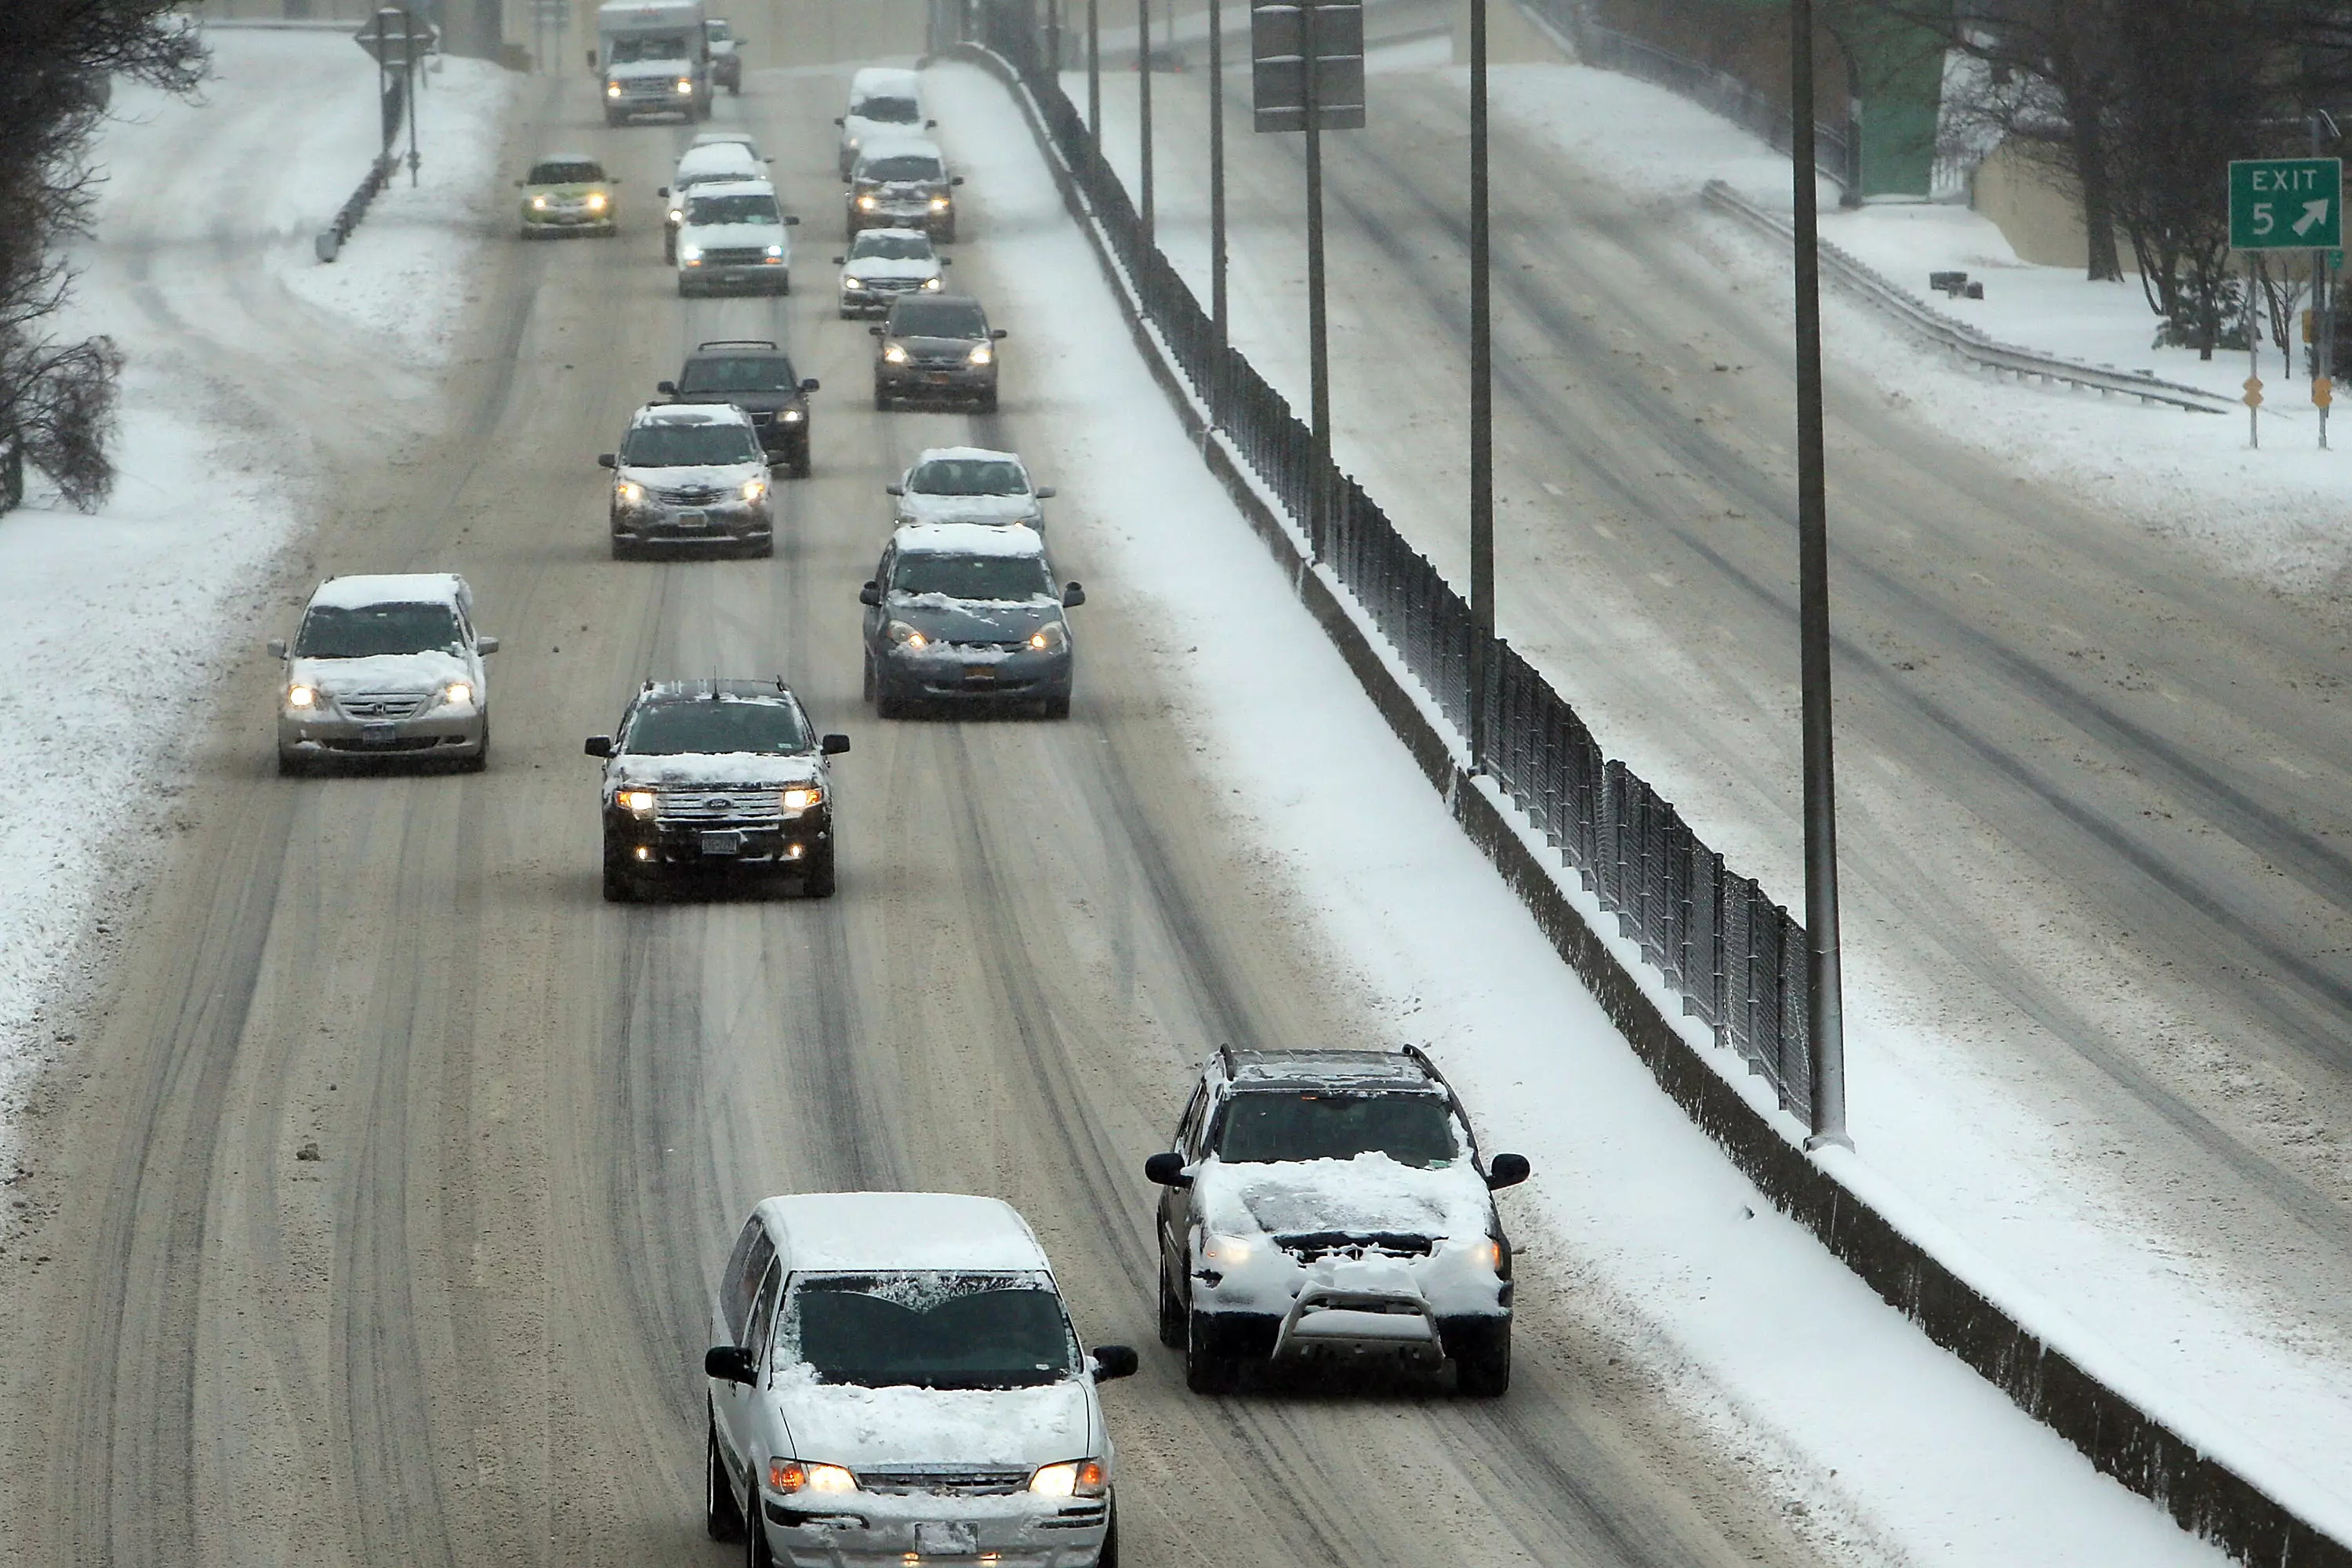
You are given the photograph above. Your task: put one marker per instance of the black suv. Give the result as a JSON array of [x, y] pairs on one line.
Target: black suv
[[756, 377], [721, 777], [939, 348], [1331, 1205]]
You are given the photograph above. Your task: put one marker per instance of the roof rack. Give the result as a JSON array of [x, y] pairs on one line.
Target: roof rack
[[1225, 1055], [736, 343]]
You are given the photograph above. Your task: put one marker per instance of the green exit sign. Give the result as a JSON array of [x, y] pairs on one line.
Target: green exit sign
[[2286, 203]]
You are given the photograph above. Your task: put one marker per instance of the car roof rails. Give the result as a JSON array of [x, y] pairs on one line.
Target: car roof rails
[[736, 343], [1225, 1055], [1416, 1054]]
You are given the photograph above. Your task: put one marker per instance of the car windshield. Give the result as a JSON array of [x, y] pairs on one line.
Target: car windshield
[[936, 318], [689, 445], [993, 579], [362, 631], [969, 477], [571, 174], [636, 49], [1411, 1129], [892, 246], [903, 166], [930, 1331], [888, 111], [755, 206], [719, 724], [766, 373], [717, 30]]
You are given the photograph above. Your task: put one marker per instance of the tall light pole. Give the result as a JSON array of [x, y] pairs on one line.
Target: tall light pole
[[1318, 356], [1217, 210], [1824, 989], [1482, 403], [1143, 86], [1094, 77]]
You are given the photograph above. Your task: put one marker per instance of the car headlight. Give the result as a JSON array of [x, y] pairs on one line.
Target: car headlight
[[1230, 1250], [933, 283], [595, 201], [691, 254], [611, 90], [790, 1476], [1047, 638], [539, 204], [789, 417], [635, 802], [801, 797], [457, 693], [754, 488], [895, 352], [907, 636], [302, 697], [628, 492], [939, 203], [866, 203], [775, 253], [686, 84], [676, 217], [848, 282], [982, 354], [1072, 1478]]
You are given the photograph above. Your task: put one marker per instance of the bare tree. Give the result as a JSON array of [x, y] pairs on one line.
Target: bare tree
[[56, 59]]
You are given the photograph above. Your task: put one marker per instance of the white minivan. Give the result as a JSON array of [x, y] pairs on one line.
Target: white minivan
[[897, 1381]]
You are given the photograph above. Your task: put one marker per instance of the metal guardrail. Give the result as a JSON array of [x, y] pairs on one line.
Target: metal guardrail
[[329, 242], [1960, 338]]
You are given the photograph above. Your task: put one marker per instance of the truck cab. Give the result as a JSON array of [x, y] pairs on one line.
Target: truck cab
[[654, 57]]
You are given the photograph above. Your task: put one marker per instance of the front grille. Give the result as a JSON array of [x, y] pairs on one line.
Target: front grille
[[691, 495], [384, 704], [734, 807], [1310, 1244], [735, 256], [911, 1481], [988, 646]]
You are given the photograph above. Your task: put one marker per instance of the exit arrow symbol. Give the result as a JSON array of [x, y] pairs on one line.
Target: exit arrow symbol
[[2313, 214]]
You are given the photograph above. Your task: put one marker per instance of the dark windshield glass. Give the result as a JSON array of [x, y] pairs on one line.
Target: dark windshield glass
[[932, 1330], [689, 445], [634, 48], [767, 374], [579, 173], [937, 319], [754, 207], [892, 246], [717, 30], [721, 724], [337, 631], [903, 166], [888, 111], [968, 476], [1000, 579], [1411, 1129]]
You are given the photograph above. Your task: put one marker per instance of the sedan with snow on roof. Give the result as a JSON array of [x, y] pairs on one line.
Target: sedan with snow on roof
[[690, 476], [884, 263], [969, 484], [386, 667], [715, 778], [937, 348], [1331, 1205], [967, 613], [568, 193]]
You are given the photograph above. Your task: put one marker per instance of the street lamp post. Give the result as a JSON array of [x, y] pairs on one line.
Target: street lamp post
[[1094, 77], [1318, 355], [1217, 210], [1482, 403], [1143, 86], [1824, 1011]]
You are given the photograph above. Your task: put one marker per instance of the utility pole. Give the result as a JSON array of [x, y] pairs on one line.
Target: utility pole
[[1318, 356], [1217, 212], [1094, 77], [1824, 989], [1143, 86], [1482, 403]]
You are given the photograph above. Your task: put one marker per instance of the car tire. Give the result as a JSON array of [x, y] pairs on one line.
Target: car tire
[[865, 691], [988, 401], [623, 552], [756, 1552], [1108, 1557], [881, 401], [818, 882], [479, 762], [888, 704], [734, 89], [669, 247], [802, 464], [1172, 1314], [1056, 707], [1482, 1365], [722, 1511], [291, 766], [620, 884], [1208, 1369]]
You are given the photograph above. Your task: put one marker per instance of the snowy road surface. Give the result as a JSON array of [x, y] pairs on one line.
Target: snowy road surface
[[2098, 892], [469, 1329]]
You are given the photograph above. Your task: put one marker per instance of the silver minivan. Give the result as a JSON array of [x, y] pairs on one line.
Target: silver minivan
[[386, 667], [897, 1381]]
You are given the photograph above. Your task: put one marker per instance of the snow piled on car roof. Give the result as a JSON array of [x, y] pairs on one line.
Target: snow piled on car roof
[[934, 454], [970, 538], [887, 1232], [362, 589]]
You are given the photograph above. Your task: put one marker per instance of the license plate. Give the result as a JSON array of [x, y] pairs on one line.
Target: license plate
[[378, 734], [948, 1540], [980, 674], [941, 377], [693, 520], [722, 844]]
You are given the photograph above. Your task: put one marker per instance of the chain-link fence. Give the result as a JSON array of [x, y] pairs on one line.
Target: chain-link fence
[[1738, 958]]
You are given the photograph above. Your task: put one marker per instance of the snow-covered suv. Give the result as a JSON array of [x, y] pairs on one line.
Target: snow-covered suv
[[1332, 1204], [897, 1381], [690, 475], [734, 236]]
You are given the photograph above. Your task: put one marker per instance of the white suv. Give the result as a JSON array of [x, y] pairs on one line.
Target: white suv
[[734, 236], [898, 1381]]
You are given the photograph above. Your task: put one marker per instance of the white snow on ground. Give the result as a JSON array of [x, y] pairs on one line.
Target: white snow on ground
[[114, 627], [1886, 1447], [2275, 513]]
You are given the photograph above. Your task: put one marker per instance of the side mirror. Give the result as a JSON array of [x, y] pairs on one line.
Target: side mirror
[[667, 388], [870, 594], [791, 221], [1167, 1170], [277, 647], [894, 489], [811, 384], [997, 336], [599, 746], [615, 180], [873, 332], [841, 261], [836, 120], [930, 125], [486, 646], [606, 460], [661, 189], [518, 182], [1045, 493], [957, 181], [1115, 1360], [1073, 597], [834, 745], [729, 1363], [947, 261], [1505, 1171], [592, 60]]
